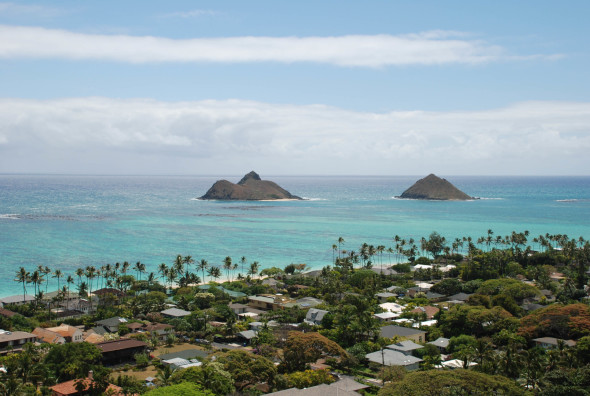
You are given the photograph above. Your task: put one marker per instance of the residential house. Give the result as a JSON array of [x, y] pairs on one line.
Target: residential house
[[406, 347], [111, 325], [344, 387], [18, 299], [306, 302], [247, 336], [268, 302], [407, 333], [441, 343], [69, 333], [552, 342], [79, 304], [13, 341], [120, 351], [389, 357], [315, 316], [384, 296], [180, 363], [7, 313], [392, 307], [386, 316], [175, 313], [70, 388], [429, 311], [48, 336]]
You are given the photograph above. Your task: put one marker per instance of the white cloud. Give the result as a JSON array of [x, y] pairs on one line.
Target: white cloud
[[428, 48], [101, 135], [190, 14], [8, 8]]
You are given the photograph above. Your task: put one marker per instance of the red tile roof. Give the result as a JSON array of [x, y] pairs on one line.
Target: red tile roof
[[69, 388]]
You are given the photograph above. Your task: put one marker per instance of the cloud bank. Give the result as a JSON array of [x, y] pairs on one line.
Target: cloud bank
[[373, 51], [101, 135]]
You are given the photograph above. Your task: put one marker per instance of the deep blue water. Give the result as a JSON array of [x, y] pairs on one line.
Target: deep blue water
[[73, 221]]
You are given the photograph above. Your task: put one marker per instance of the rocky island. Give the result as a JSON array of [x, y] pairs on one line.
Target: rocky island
[[433, 187], [250, 188]]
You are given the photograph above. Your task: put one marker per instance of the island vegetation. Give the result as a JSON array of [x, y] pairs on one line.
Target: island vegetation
[[495, 315]]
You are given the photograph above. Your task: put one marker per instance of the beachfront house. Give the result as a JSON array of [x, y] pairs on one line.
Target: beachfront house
[[19, 299]]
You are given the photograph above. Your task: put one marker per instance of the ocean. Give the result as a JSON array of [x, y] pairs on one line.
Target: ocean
[[68, 222]]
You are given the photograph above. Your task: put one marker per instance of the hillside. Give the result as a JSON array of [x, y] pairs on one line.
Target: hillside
[[434, 188], [250, 188]]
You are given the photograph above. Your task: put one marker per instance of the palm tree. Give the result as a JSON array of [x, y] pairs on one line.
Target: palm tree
[[125, 267], [188, 260], [57, 274], [69, 281], [243, 261], [178, 264], [80, 274], [340, 242], [35, 279], [137, 268], [203, 265], [162, 269], [46, 271], [214, 272], [227, 265], [23, 276], [253, 268]]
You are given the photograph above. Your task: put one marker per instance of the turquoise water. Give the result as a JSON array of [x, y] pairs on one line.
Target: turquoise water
[[73, 221]]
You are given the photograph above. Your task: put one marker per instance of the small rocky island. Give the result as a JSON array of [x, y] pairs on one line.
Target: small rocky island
[[433, 187], [250, 188]]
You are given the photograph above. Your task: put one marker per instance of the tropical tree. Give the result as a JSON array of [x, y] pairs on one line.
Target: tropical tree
[[253, 268], [203, 266], [57, 274], [227, 266], [23, 276], [214, 272]]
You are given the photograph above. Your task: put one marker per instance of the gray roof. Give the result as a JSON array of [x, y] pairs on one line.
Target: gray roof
[[315, 315], [405, 346], [318, 390], [175, 312], [111, 322], [392, 358], [554, 341], [186, 354], [308, 302], [16, 299], [430, 295], [385, 271], [386, 295], [247, 334], [440, 342], [460, 296], [348, 384], [393, 330], [99, 330]]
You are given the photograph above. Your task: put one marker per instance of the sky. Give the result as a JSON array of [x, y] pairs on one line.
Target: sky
[[295, 88]]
